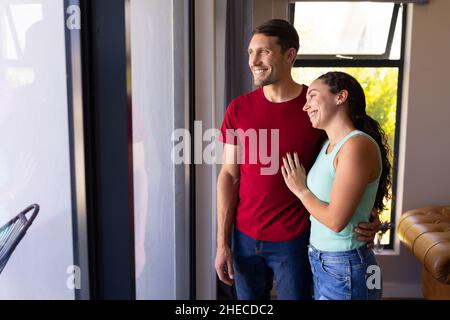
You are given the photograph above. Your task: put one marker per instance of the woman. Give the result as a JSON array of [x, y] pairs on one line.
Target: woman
[[349, 177]]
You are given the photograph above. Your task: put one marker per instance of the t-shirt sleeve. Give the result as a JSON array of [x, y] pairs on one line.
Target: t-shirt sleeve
[[227, 131]]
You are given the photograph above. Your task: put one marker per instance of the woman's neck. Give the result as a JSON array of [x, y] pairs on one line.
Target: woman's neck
[[338, 130]]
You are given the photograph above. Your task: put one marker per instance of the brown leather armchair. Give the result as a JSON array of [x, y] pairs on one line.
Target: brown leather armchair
[[426, 232]]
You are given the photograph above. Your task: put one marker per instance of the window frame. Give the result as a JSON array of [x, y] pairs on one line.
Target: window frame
[[370, 58], [370, 61]]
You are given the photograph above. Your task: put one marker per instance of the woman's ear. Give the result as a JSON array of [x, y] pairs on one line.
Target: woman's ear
[[341, 97]]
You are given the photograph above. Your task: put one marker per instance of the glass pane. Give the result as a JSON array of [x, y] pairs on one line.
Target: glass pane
[[34, 147], [158, 49], [380, 87], [344, 28], [396, 43]]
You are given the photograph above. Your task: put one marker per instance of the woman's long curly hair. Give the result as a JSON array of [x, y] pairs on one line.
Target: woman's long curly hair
[[338, 81]]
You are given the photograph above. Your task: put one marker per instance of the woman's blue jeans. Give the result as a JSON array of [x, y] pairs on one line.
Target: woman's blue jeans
[[346, 275]]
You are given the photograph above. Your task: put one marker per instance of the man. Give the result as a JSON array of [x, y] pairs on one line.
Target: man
[[271, 227]]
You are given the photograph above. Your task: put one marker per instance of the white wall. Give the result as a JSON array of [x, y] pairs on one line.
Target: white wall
[[424, 176]]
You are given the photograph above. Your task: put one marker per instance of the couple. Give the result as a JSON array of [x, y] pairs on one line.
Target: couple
[[263, 229]]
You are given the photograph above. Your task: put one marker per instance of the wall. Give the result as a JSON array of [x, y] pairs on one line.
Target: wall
[[264, 10]]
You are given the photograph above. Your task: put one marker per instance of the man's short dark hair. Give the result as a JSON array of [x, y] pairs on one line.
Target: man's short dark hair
[[283, 30]]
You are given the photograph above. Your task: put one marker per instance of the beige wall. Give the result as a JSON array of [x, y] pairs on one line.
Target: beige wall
[[264, 10], [424, 176]]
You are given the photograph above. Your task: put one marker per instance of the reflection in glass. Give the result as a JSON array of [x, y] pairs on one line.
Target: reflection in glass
[[157, 75], [34, 147]]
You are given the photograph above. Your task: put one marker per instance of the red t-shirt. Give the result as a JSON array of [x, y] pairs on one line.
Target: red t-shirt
[[267, 210]]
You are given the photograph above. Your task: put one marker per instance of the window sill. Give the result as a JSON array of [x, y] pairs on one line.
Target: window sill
[[387, 252]]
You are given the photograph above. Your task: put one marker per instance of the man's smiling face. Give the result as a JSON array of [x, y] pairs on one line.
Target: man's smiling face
[[266, 61]]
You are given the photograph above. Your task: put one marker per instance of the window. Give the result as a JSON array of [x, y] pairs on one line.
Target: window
[[366, 42], [160, 105], [35, 157]]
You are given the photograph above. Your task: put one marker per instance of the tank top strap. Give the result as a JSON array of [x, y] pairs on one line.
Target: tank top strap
[[343, 140], [353, 133]]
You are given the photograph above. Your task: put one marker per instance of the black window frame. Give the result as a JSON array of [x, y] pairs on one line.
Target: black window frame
[[370, 61]]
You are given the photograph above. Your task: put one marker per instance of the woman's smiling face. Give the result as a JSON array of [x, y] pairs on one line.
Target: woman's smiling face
[[321, 104]]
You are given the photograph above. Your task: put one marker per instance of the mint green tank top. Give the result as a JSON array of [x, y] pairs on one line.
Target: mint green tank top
[[319, 181]]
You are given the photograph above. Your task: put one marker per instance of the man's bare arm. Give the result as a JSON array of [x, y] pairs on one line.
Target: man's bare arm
[[227, 199]]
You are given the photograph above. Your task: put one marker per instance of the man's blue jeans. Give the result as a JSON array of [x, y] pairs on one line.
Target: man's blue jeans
[[343, 275], [257, 263]]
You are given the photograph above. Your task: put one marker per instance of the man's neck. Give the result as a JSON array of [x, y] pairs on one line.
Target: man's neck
[[282, 90]]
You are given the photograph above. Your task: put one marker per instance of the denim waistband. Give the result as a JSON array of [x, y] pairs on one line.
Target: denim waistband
[[360, 254]]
